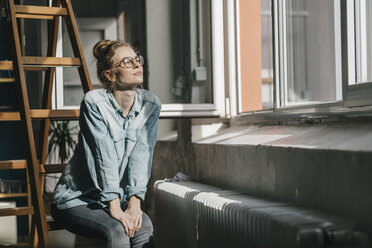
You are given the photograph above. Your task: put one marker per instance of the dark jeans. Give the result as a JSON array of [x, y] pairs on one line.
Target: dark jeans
[[95, 222]]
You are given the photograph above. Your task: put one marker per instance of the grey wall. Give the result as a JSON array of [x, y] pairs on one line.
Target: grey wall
[[323, 167]]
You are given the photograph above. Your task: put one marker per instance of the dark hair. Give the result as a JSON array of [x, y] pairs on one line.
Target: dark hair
[[103, 51]]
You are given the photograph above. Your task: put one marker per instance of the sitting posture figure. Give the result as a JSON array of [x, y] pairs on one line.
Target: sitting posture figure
[[101, 189]]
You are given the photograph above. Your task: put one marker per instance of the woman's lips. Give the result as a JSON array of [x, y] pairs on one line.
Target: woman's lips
[[138, 74]]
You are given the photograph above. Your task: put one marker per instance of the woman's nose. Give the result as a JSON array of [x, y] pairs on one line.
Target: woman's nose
[[135, 64]]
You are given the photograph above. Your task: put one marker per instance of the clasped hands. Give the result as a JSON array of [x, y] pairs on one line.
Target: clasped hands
[[131, 218]]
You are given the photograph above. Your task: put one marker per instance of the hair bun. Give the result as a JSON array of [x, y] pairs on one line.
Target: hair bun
[[102, 48]]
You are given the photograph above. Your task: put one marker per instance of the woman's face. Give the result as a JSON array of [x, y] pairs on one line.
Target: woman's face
[[126, 77]]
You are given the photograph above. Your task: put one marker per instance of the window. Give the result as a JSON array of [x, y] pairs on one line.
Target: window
[[185, 56], [363, 46], [358, 35], [267, 55], [322, 56], [182, 42], [309, 52], [94, 25], [218, 58]]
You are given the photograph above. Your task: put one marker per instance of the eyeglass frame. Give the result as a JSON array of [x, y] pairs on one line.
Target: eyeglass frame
[[136, 59]]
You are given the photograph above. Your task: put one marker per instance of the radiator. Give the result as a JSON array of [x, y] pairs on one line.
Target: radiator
[[194, 215]]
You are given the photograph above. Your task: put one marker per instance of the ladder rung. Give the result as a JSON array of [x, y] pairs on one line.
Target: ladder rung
[[6, 80], [53, 168], [55, 114], [16, 211], [13, 164], [40, 17], [39, 12], [51, 61], [18, 245], [35, 68], [8, 66], [9, 116], [42, 114]]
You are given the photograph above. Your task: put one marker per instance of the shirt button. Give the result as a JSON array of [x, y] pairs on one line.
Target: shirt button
[[134, 138]]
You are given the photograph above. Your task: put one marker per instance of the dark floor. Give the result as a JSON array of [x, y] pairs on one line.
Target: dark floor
[[65, 239]]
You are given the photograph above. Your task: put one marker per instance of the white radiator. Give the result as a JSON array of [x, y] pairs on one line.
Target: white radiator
[[194, 215]]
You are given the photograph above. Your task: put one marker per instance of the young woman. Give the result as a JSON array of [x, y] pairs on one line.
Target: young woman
[[101, 188]]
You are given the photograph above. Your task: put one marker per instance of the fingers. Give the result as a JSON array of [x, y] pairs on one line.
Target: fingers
[[138, 223], [126, 227], [131, 231], [132, 223]]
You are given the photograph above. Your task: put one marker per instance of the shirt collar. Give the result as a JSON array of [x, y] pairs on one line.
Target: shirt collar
[[136, 105]]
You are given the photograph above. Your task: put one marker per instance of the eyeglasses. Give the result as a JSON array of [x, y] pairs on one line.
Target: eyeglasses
[[129, 62]]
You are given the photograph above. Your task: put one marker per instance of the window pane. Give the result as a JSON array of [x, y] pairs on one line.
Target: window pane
[[267, 55], [73, 92], [179, 50], [103, 21], [363, 22], [312, 71]]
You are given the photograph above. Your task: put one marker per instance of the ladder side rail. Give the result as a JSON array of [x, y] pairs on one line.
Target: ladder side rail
[[24, 109], [77, 46], [53, 27]]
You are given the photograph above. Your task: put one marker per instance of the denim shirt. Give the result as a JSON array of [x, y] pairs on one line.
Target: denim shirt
[[113, 156]]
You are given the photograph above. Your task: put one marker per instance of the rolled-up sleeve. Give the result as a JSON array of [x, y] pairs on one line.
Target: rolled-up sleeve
[[100, 153], [140, 160]]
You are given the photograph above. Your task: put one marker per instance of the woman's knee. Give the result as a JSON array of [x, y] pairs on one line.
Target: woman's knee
[[146, 223], [115, 231], [115, 236]]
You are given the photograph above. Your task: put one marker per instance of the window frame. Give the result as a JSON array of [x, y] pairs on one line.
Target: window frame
[[109, 27], [218, 107], [355, 97], [176, 110], [356, 94]]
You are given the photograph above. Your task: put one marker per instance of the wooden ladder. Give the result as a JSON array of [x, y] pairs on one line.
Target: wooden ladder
[[35, 163]]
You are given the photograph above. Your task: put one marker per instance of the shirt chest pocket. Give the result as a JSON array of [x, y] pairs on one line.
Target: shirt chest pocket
[[124, 142], [131, 138]]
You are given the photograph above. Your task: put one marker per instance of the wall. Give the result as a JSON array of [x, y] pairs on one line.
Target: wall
[[320, 166]]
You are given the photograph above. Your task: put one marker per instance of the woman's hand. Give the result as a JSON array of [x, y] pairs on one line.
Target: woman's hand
[[131, 218]]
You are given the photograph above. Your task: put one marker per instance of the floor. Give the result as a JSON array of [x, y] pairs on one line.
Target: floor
[[65, 239]]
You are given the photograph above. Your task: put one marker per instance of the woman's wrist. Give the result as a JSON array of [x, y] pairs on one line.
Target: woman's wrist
[[114, 207], [134, 202]]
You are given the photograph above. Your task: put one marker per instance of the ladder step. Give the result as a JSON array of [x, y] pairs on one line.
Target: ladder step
[[13, 164], [53, 168], [68, 114], [22, 164], [8, 65], [51, 61], [18, 245], [39, 12], [6, 80], [16, 211]]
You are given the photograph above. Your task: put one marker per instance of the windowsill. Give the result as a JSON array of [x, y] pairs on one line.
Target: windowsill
[[347, 132], [349, 136], [319, 113]]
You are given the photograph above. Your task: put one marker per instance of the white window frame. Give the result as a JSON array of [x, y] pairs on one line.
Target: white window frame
[[217, 108], [108, 25], [353, 94], [357, 94], [281, 60]]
